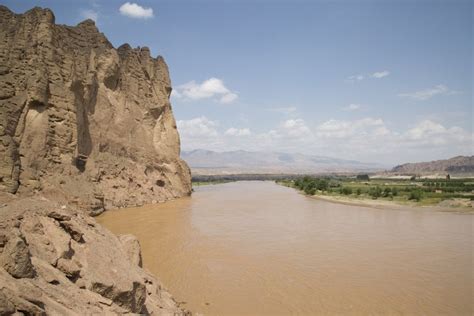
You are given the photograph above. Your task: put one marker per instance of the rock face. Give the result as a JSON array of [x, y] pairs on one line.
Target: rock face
[[83, 127], [81, 121], [60, 261]]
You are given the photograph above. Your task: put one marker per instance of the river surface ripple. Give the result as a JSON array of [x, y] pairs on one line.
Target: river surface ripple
[[257, 248]]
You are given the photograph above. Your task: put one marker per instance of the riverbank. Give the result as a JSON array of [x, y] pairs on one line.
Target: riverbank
[[392, 204], [210, 182], [57, 260], [449, 205]]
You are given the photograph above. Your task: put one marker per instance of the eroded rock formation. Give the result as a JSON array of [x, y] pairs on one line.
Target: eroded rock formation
[[56, 260], [82, 121], [83, 127]]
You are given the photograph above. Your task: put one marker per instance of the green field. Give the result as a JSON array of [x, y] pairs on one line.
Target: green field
[[402, 191]]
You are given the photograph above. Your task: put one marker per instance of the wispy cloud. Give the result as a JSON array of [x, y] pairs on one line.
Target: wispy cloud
[[380, 74], [238, 131], [90, 14], [352, 107], [355, 78], [375, 75], [228, 97], [210, 88], [136, 11], [367, 127], [426, 94]]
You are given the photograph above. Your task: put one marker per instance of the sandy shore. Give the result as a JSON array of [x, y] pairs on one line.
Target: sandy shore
[[390, 204]]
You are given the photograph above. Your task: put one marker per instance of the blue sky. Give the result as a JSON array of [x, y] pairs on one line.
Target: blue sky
[[383, 81]]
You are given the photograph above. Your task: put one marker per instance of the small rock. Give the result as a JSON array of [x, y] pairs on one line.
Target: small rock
[[69, 268], [3, 240], [132, 248], [105, 301], [73, 230], [16, 258], [59, 217], [81, 284]]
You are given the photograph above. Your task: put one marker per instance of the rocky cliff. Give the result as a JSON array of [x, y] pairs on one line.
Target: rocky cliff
[[83, 127], [81, 121]]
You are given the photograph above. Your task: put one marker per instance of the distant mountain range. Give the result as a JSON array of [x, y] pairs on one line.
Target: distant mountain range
[[206, 162], [460, 165]]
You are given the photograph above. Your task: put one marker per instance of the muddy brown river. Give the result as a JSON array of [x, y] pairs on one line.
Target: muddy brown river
[[257, 248]]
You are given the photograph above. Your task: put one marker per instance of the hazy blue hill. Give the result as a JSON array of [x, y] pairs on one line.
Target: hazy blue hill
[[240, 161]]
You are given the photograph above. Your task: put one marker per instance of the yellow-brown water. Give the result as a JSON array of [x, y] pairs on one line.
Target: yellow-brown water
[[257, 248]]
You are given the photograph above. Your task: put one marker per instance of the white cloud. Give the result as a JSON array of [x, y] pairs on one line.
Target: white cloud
[[429, 133], [210, 88], [349, 129], [376, 75], [90, 14], [372, 139], [352, 107], [425, 129], [368, 139], [429, 93], [238, 132], [295, 128], [380, 74], [175, 94], [197, 127], [134, 10], [229, 97], [355, 78], [206, 89]]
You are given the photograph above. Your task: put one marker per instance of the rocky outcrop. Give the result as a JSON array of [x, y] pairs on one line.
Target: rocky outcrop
[[55, 260], [81, 121], [83, 127]]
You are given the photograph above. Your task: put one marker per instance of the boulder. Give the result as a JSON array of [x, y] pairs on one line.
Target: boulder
[[132, 248], [15, 258]]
